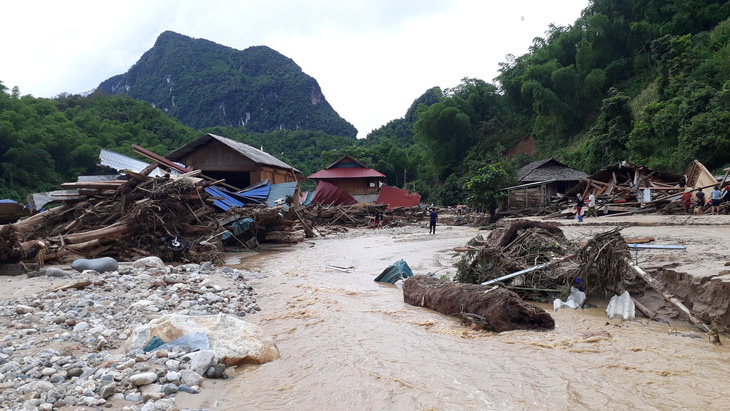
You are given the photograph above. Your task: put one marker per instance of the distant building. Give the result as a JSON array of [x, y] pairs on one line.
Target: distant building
[[542, 180], [352, 177], [239, 164]]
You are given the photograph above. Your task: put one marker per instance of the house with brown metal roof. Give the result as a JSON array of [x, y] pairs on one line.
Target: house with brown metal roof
[[240, 164], [351, 176]]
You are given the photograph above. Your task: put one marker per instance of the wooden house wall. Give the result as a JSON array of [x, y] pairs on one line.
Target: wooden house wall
[[218, 159], [356, 186], [530, 196]]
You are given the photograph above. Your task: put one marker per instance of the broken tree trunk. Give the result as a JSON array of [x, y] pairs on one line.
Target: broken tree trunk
[[110, 233], [502, 309], [671, 299]]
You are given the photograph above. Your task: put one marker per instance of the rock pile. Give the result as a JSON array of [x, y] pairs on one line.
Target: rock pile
[[63, 347]]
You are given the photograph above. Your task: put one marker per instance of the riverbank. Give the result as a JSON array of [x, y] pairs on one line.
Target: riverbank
[[348, 342]]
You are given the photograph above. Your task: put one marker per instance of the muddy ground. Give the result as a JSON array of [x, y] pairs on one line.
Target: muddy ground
[[349, 342]]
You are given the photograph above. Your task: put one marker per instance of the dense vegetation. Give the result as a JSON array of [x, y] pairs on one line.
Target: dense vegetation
[[204, 84], [645, 81]]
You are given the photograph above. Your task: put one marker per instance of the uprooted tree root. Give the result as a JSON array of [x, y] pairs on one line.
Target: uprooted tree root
[[603, 262]]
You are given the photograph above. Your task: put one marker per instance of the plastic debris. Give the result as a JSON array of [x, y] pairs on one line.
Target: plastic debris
[[621, 307], [574, 300]]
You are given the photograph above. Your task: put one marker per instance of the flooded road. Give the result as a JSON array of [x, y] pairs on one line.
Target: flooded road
[[347, 342]]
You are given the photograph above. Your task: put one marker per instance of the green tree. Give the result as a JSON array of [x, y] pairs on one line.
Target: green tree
[[484, 189]]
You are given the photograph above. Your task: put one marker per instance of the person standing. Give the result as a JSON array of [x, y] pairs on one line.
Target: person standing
[[700, 200], [687, 199], [716, 199], [432, 224], [592, 205], [579, 208]]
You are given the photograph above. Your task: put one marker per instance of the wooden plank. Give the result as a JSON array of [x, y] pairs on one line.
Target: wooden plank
[[670, 298]]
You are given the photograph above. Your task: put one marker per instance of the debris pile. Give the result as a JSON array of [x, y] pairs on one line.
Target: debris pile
[[165, 216], [515, 246]]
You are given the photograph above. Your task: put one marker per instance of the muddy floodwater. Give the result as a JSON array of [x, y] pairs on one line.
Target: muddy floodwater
[[347, 342]]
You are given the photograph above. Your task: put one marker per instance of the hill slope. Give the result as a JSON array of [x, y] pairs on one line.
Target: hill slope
[[204, 84]]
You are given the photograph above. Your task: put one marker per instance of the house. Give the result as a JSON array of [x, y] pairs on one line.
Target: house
[[239, 164], [353, 177], [541, 180]]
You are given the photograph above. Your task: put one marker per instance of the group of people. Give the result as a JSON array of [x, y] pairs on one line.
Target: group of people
[[716, 197], [591, 206]]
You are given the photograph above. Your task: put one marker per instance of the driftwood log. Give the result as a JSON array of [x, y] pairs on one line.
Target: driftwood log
[[501, 309]]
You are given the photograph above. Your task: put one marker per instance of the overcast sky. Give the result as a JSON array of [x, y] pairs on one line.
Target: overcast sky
[[371, 58]]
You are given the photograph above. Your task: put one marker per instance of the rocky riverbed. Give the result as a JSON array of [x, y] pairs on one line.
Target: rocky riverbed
[[67, 338]]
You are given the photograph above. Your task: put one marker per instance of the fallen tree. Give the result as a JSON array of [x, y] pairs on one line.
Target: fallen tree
[[500, 309]]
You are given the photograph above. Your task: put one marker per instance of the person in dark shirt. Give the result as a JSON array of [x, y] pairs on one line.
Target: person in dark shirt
[[700, 201], [432, 225]]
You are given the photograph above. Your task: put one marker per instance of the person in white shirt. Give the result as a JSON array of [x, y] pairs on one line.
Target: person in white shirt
[[592, 205]]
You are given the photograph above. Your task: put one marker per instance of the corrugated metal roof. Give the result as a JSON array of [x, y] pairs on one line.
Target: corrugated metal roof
[[257, 195], [279, 192], [119, 162], [348, 158], [397, 197], [252, 153], [226, 201], [352, 172]]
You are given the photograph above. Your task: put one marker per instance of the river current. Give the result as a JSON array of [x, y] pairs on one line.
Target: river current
[[347, 342]]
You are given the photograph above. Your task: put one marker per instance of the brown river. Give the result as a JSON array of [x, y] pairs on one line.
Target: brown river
[[347, 342]]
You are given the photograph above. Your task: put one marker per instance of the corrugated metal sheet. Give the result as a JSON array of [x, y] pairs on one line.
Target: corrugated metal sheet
[[119, 162], [395, 197], [328, 193], [227, 201], [280, 192], [356, 172], [257, 195]]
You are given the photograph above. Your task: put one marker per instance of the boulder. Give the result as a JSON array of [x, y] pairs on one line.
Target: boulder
[[501, 309], [233, 340], [100, 265], [149, 262]]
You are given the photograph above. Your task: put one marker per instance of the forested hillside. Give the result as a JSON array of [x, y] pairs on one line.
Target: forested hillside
[[204, 84], [645, 81]]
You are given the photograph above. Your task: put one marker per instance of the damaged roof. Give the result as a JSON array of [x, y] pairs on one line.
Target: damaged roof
[[252, 153], [346, 167], [119, 162], [549, 169]]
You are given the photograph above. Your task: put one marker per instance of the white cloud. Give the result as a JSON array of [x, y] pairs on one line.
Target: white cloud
[[371, 58]]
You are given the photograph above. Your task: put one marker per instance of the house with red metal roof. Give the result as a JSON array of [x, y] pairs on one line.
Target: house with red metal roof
[[351, 176]]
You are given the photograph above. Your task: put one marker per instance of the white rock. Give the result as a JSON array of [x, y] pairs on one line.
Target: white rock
[[190, 378], [149, 262], [143, 378], [201, 360], [172, 376], [82, 326], [233, 340]]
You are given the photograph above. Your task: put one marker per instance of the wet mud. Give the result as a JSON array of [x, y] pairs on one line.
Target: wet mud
[[350, 343]]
